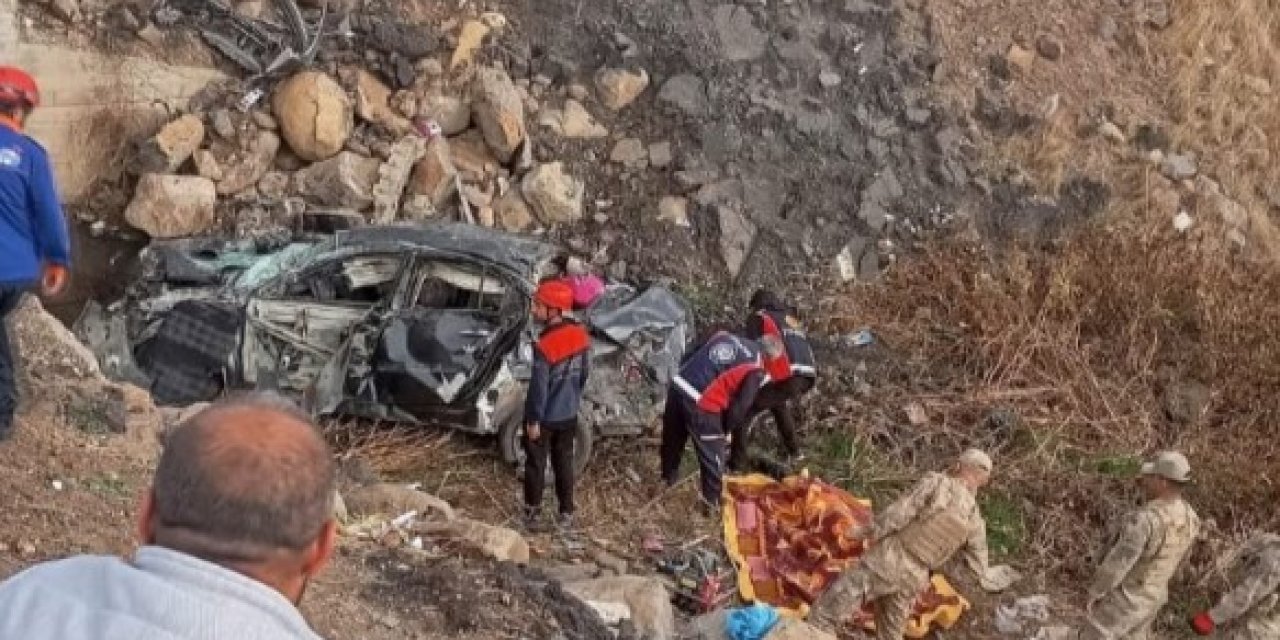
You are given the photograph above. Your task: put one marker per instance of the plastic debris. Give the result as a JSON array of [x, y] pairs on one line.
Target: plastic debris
[[751, 623]]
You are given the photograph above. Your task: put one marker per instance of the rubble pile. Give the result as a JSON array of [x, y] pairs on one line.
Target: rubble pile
[[404, 130]]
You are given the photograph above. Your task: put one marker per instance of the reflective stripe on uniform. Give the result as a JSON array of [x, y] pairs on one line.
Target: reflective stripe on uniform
[[687, 388], [804, 370]]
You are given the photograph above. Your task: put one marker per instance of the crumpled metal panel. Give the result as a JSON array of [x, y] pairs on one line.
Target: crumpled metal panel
[[428, 355]]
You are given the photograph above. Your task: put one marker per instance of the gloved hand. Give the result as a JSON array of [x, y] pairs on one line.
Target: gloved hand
[[53, 279], [1202, 623]]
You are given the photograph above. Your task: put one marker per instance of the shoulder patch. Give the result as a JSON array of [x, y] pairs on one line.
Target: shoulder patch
[[722, 353], [10, 157]]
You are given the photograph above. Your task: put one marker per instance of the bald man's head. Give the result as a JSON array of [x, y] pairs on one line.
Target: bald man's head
[[242, 480]]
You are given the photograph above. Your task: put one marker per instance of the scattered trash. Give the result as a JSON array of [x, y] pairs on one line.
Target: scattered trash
[[860, 339], [57, 485], [701, 580], [1183, 222], [916, 414], [1021, 615], [751, 623]]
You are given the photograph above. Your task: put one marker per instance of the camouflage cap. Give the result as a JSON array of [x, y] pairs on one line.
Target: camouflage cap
[[977, 459], [1169, 465]]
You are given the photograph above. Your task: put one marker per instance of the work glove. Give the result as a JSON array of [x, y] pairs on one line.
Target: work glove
[[53, 279], [1202, 623]]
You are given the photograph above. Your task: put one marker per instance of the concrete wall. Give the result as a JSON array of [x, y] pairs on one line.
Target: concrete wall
[[93, 104]]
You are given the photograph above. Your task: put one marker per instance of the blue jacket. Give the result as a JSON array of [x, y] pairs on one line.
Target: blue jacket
[[33, 230], [561, 364], [722, 376]]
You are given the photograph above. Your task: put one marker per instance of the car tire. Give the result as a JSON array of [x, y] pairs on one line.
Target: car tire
[[511, 443]]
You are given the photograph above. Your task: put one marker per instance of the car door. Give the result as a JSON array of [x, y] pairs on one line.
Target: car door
[[295, 329]]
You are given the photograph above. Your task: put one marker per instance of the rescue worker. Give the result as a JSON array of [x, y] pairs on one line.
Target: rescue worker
[[1132, 583], [561, 364], [34, 245], [1251, 610], [769, 317], [710, 398], [915, 536]]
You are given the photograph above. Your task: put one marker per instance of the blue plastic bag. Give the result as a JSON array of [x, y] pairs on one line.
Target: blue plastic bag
[[751, 623]]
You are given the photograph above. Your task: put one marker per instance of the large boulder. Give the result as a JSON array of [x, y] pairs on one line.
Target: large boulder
[[172, 146], [499, 543], [512, 213], [345, 180], [392, 500], [554, 195], [47, 349], [169, 206], [647, 598], [435, 176], [315, 115], [245, 165], [620, 87], [499, 111]]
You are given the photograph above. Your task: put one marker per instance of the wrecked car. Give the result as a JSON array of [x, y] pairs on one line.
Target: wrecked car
[[416, 324]]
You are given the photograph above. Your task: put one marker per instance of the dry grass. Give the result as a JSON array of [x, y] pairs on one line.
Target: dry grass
[[1224, 99], [1084, 346]]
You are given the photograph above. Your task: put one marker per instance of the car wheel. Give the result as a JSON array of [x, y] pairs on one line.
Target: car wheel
[[511, 442]]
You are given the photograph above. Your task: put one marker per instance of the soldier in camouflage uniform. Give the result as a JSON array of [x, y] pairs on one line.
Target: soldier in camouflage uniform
[[913, 537], [1132, 583], [1251, 610]]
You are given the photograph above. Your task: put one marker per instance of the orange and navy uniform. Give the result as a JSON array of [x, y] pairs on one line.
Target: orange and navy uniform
[[561, 364], [722, 376]]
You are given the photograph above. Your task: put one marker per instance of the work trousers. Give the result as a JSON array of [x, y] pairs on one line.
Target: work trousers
[[777, 398], [555, 444], [891, 601], [10, 296], [681, 419]]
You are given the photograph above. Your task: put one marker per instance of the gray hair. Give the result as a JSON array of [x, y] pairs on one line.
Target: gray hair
[[246, 477]]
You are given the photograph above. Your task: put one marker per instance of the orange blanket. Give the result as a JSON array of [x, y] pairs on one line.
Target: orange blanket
[[787, 541]]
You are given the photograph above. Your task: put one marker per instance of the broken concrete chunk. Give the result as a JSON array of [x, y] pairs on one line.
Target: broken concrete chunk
[[512, 212], [248, 164], [630, 153], [345, 180], [650, 605], [393, 177], [687, 93], [392, 500], [169, 206], [737, 235], [472, 157], [554, 195], [618, 88], [452, 114], [499, 111], [315, 115], [674, 210], [435, 177], [171, 147]]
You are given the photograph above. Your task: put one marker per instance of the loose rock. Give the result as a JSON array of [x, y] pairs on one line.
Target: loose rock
[[169, 206], [207, 165], [512, 213], [222, 124], [46, 347], [573, 121], [1020, 59], [1179, 166], [740, 40], [469, 41], [435, 177], [631, 153], [315, 115], [675, 210], [373, 104], [499, 543], [248, 164], [1049, 47], [554, 195], [737, 236], [1111, 132], [618, 88], [651, 609], [172, 146], [687, 93], [274, 185], [660, 154], [499, 111], [829, 79], [345, 180], [791, 629], [452, 114]]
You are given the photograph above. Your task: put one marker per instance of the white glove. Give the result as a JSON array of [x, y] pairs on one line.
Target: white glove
[[999, 578]]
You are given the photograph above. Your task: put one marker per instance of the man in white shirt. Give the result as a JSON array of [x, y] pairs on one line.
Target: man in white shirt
[[237, 521]]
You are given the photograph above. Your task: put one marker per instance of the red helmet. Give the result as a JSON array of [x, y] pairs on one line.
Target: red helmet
[[555, 294], [16, 86]]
